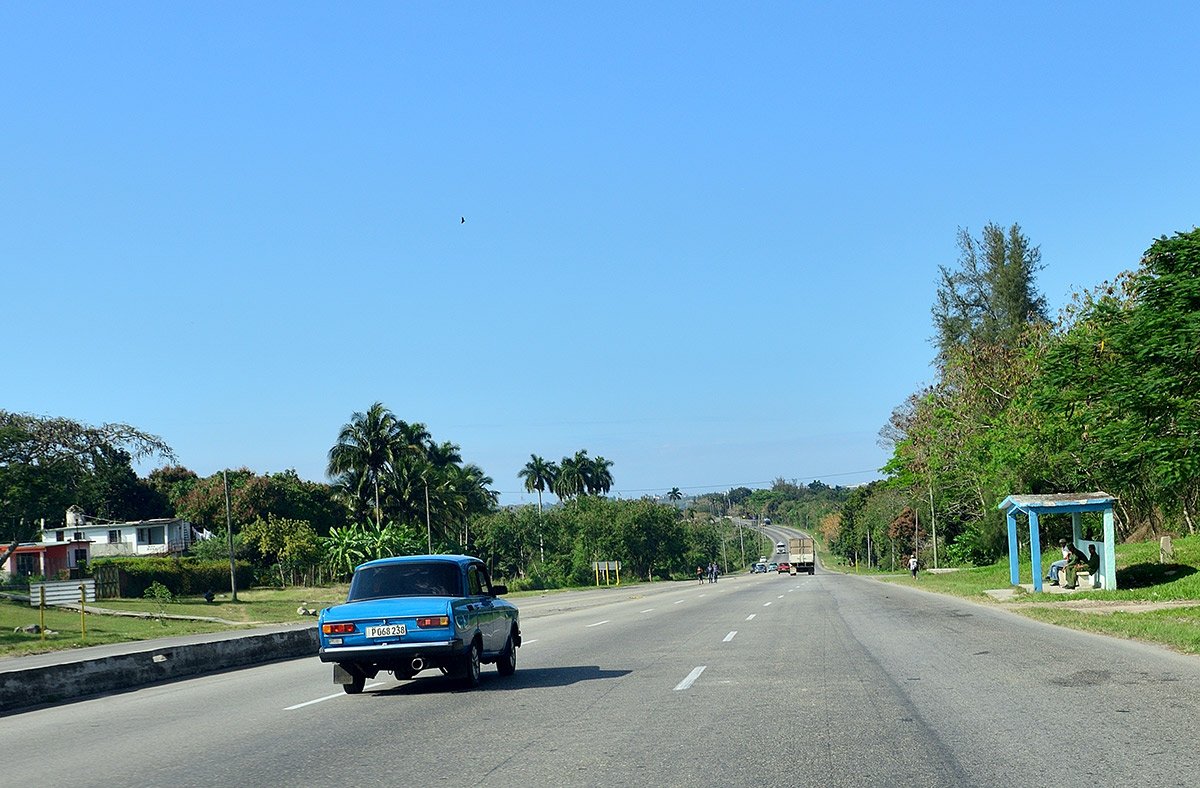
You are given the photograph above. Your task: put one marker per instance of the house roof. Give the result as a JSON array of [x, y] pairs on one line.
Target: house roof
[[37, 547]]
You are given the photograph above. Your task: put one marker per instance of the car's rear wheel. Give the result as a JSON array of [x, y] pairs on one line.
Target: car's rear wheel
[[468, 677], [506, 665], [356, 684]]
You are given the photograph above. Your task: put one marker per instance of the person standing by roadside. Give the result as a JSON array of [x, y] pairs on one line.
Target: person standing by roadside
[[912, 565]]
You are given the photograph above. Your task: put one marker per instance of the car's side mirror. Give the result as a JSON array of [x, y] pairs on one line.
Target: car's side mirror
[[498, 590]]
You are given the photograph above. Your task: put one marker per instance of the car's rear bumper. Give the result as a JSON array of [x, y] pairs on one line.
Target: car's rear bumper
[[385, 653]]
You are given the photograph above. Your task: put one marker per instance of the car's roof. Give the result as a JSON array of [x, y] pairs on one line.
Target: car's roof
[[461, 560]]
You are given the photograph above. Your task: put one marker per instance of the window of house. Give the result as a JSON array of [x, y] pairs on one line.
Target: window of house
[[28, 564], [79, 536], [114, 537], [60, 536], [80, 557], [153, 535]]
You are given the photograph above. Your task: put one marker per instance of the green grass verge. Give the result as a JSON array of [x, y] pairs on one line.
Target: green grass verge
[[1177, 628], [1140, 579]]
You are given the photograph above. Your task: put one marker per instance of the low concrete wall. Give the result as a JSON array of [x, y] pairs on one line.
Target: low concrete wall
[[73, 679]]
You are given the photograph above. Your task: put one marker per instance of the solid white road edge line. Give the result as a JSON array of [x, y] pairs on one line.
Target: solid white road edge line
[[691, 678]]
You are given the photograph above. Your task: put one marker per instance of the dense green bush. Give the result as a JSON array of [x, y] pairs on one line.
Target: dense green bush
[[181, 576]]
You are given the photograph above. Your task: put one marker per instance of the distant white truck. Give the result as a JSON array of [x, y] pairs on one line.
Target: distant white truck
[[801, 555]]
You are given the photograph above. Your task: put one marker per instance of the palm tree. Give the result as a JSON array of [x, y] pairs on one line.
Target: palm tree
[[539, 475], [365, 450], [675, 494], [601, 478], [570, 480]]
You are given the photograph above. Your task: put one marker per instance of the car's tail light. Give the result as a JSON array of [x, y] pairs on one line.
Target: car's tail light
[[337, 629], [427, 622]]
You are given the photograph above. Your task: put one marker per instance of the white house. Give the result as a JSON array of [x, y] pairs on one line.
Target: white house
[[139, 537]]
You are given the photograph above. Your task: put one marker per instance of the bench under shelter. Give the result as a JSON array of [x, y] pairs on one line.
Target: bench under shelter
[[1074, 504]]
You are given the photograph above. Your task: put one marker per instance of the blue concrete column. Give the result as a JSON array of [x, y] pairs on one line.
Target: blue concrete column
[[1108, 576], [1076, 528], [1035, 551], [1014, 567]]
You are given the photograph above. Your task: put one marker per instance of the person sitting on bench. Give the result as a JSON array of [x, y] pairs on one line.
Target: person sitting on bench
[[1090, 562], [1059, 565]]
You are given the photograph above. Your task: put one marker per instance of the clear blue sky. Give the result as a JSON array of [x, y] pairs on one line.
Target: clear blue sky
[[701, 239]]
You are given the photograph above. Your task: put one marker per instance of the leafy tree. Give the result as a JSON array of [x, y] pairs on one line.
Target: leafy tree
[[1122, 387], [44, 459], [113, 491], [172, 481], [990, 296], [293, 545]]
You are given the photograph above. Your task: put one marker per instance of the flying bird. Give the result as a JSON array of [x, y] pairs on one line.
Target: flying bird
[[462, 220]]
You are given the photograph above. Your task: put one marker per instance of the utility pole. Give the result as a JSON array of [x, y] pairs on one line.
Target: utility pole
[[428, 522], [916, 531], [229, 533], [933, 524]]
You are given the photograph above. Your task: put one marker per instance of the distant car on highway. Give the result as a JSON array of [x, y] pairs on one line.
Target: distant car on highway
[[781, 547], [412, 613], [758, 569], [784, 568], [772, 567]]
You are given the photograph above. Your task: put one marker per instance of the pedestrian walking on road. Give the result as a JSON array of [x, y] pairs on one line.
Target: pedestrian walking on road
[[700, 575], [912, 565]]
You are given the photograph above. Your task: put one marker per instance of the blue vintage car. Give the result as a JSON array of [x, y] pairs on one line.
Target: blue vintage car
[[411, 613]]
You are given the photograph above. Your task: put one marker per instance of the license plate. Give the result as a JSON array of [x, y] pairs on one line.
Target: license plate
[[387, 631]]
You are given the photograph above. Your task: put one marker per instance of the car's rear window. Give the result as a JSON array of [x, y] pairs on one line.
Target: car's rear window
[[436, 578]]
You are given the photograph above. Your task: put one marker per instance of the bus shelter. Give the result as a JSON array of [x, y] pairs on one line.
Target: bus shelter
[[1074, 504]]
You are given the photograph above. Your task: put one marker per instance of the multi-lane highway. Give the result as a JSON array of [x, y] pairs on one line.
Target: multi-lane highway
[[756, 680]]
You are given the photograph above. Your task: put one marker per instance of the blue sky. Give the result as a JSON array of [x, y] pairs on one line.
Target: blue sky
[[701, 239]]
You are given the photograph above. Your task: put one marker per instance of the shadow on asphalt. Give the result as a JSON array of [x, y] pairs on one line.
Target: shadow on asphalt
[[489, 681]]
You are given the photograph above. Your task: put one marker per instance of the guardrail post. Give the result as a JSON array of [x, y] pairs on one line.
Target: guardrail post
[[42, 611]]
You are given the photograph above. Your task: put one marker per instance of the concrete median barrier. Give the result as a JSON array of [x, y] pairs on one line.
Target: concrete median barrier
[[69, 676]]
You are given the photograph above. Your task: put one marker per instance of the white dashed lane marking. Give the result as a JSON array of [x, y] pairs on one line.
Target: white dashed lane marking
[[751, 616], [598, 623], [730, 636], [691, 678]]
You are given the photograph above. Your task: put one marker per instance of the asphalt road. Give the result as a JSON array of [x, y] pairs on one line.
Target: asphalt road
[[826, 680]]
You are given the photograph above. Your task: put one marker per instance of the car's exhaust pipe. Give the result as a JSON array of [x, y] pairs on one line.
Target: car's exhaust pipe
[[418, 664]]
